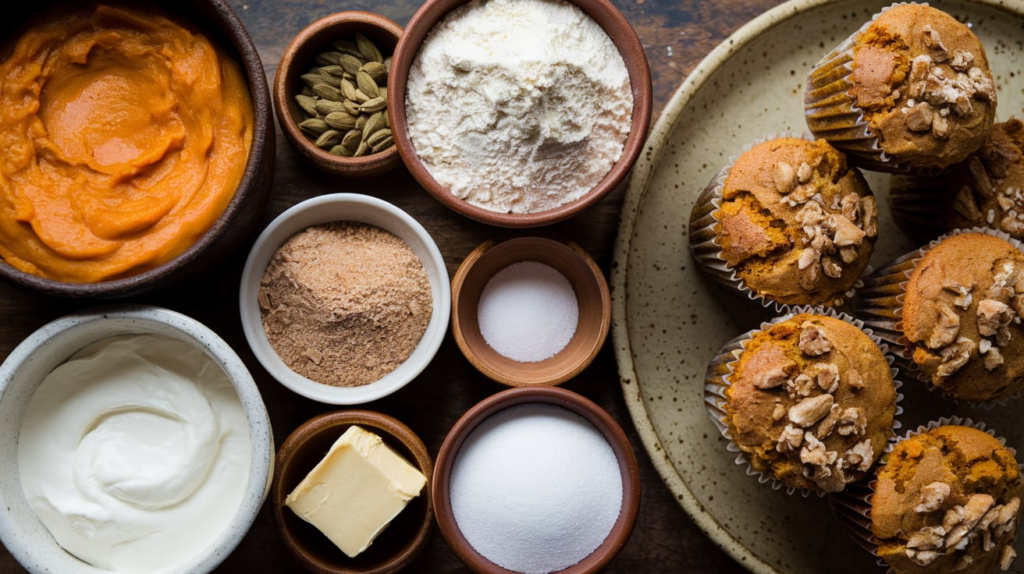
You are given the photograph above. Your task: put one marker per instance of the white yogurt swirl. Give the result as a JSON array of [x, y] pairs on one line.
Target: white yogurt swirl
[[135, 453]]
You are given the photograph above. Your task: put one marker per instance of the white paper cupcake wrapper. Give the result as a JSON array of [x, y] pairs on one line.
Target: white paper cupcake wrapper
[[704, 240], [852, 507], [880, 306], [719, 377], [832, 112]]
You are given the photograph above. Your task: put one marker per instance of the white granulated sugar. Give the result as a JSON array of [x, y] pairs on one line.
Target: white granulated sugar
[[518, 105], [528, 312], [535, 488]]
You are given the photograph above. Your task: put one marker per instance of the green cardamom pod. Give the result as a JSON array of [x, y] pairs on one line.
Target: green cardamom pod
[[376, 122], [328, 138], [307, 103], [350, 63], [377, 72], [340, 121], [368, 49], [314, 126], [375, 105], [327, 92], [366, 84], [383, 144], [326, 107], [327, 58], [352, 139], [378, 136]]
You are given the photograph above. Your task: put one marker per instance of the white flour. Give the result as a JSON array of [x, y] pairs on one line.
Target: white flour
[[518, 105]]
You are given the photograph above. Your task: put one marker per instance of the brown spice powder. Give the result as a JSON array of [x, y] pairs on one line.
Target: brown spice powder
[[345, 303]]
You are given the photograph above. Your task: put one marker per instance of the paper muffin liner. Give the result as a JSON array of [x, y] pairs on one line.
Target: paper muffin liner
[[880, 306], [852, 507], [718, 378], [832, 112], [704, 239]]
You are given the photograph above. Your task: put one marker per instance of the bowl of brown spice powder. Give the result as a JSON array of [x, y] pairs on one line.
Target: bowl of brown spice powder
[[344, 298]]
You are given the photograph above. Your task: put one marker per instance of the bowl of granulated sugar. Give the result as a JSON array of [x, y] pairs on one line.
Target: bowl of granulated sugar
[[344, 298], [530, 311], [519, 113], [536, 480]]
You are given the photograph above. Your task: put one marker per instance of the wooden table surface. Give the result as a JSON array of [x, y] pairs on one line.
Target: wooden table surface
[[676, 34]]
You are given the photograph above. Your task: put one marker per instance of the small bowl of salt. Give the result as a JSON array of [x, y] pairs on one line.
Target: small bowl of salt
[[536, 480], [530, 311]]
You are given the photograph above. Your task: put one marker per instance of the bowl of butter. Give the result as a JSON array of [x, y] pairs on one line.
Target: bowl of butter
[[351, 493], [133, 439]]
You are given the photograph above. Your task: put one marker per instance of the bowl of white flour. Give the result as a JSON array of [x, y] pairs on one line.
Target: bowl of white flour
[[519, 113]]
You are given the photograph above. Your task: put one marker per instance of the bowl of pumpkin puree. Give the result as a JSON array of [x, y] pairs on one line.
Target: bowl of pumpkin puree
[[137, 145]]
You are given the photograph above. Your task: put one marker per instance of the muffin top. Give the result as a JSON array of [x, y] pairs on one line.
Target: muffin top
[[811, 402], [796, 223], [947, 500], [922, 80], [961, 316], [988, 186]]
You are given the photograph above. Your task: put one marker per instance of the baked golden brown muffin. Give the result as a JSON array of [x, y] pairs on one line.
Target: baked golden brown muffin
[[811, 402], [795, 222], [986, 190], [922, 83], [947, 500], [961, 317]]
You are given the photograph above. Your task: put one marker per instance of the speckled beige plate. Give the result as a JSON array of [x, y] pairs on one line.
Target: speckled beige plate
[[668, 321]]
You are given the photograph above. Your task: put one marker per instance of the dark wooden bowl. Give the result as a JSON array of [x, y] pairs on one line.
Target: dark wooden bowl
[[587, 282], [578, 404], [216, 20], [400, 542], [632, 51], [298, 58]]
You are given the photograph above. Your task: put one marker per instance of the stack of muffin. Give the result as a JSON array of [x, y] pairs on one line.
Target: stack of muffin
[[810, 399]]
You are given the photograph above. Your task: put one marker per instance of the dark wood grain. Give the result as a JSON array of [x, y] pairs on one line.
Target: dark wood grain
[[676, 34]]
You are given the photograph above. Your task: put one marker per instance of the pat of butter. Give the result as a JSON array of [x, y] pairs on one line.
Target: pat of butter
[[356, 490]]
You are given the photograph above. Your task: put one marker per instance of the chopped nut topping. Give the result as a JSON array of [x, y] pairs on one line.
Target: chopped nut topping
[[808, 257], [922, 557], [919, 118], [869, 213], [848, 254], [932, 497], [828, 423], [785, 177], [831, 267], [815, 453], [860, 455], [800, 386], [809, 411], [928, 538], [847, 232], [954, 357], [769, 367], [804, 172], [940, 126], [813, 341], [827, 376], [946, 329], [790, 439], [852, 422], [963, 298], [932, 40], [1006, 559], [977, 506], [993, 358], [851, 207], [962, 60], [964, 563], [992, 315], [779, 412], [854, 379]]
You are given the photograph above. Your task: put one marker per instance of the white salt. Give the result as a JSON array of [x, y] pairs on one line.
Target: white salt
[[535, 488], [528, 312]]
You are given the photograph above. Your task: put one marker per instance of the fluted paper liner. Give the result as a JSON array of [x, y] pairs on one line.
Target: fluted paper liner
[[704, 239], [852, 507], [881, 308], [718, 378], [832, 112]]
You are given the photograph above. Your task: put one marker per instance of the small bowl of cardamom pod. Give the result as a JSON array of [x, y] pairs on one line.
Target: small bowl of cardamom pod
[[330, 93]]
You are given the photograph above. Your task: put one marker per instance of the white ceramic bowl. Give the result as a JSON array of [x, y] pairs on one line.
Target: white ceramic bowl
[[53, 344], [345, 207]]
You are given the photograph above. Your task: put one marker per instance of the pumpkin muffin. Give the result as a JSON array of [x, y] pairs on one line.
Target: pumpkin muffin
[[947, 500], [983, 191], [961, 317], [811, 402], [789, 221], [911, 90]]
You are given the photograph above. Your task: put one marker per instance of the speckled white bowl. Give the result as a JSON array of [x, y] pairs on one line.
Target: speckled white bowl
[[668, 321], [357, 208], [53, 344]]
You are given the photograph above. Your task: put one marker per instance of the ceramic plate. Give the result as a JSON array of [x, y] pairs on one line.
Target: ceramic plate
[[668, 321]]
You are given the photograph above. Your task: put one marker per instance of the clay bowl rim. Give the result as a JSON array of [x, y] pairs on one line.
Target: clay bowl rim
[[286, 84], [596, 342], [261, 150], [633, 55], [592, 413], [373, 421]]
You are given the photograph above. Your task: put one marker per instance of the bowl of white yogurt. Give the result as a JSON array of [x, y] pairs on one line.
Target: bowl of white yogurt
[[133, 439]]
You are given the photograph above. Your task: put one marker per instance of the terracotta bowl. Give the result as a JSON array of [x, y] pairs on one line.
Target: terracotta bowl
[[621, 33], [400, 542], [298, 59], [216, 20], [578, 404], [567, 258]]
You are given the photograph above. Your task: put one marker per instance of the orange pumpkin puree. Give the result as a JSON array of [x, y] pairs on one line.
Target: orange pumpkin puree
[[123, 139]]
